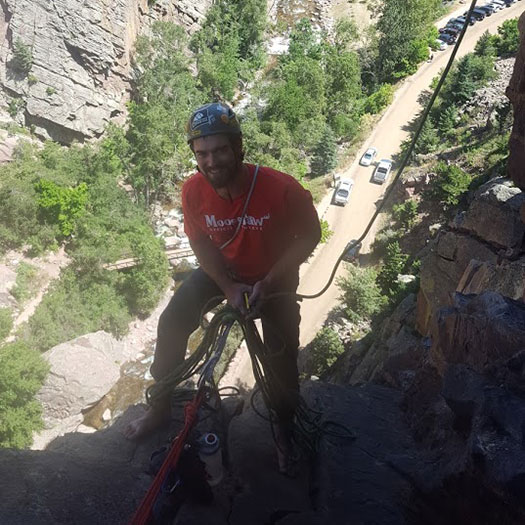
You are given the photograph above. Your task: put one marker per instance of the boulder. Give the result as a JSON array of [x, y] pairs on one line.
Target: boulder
[[494, 215], [82, 372]]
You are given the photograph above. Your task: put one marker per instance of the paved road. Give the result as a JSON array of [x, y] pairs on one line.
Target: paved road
[[348, 222]]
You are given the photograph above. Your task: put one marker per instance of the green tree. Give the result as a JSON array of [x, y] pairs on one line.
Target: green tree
[[485, 46], [61, 205], [380, 99], [26, 282], [403, 28], [393, 265], [360, 295], [448, 186], [325, 154], [507, 40], [22, 373], [447, 121], [405, 214], [428, 140], [325, 348]]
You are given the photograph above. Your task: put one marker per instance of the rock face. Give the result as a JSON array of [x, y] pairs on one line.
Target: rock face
[[516, 94], [491, 232], [81, 58], [82, 371]]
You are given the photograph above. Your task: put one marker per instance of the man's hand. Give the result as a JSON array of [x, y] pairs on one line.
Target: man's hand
[[259, 292], [234, 293]]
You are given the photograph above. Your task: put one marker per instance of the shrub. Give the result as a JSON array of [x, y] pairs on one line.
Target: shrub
[[405, 214], [450, 183], [6, 322], [26, 282], [326, 232], [325, 349], [383, 239], [507, 40], [361, 297], [22, 57], [393, 265], [379, 100], [22, 373], [60, 205]]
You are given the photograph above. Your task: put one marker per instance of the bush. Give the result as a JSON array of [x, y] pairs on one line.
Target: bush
[[507, 40], [325, 349], [26, 282], [405, 214], [383, 239], [361, 297], [22, 373], [6, 322], [379, 100], [22, 60], [393, 265], [326, 232], [450, 183]]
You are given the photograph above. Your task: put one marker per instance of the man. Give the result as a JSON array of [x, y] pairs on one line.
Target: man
[[251, 228]]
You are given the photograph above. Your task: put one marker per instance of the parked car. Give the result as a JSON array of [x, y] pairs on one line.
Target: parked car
[[441, 45], [343, 191], [447, 38], [382, 171], [368, 157], [496, 6], [478, 15], [486, 9], [462, 20]]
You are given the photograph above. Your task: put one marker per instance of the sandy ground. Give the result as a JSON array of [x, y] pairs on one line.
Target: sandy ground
[[350, 221]]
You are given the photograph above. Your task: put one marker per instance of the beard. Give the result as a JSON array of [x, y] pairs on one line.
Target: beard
[[221, 176]]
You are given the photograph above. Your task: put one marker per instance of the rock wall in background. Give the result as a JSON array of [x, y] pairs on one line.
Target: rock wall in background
[[81, 59], [516, 94]]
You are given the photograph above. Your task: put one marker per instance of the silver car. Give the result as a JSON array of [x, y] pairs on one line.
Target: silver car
[[382, 171], [368, 157]]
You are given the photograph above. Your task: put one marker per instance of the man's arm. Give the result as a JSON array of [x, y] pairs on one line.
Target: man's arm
[[212, 262]]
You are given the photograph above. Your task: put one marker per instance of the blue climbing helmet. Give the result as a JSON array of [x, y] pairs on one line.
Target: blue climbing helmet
[[212, 119]]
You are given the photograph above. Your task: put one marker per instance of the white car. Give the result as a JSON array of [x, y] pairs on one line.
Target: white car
[[343, 191], [368, 157], [382, 171], [441, 45]]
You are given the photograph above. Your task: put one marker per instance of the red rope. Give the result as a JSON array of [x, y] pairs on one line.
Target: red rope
[[143, 513]]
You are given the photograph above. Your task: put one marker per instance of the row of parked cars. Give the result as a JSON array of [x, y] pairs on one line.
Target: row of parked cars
[[449, 34], [380, 176]]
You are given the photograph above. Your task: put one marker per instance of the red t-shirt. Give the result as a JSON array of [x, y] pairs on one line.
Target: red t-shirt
[[279, 210]]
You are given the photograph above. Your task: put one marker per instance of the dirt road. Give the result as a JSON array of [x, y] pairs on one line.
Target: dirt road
[[348, 222]]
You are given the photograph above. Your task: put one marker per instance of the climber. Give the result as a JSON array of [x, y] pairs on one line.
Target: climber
[[250, 227]]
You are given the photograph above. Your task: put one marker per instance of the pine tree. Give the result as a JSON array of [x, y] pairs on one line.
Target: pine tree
[[325, 154]]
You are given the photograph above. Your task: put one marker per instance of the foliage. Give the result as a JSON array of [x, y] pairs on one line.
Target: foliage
[[380, 99], [325, 154], [325, 349], [382, 239], [394, 264], [485, 46], [156, 154], [22, 373], [405, 214], [6, 322], [449, 184], [404, 29], [507, 40], [470, 73], [326, 232], [26, 282], [428, 139], [77, 304], [22, 60], [229, 45], [15, 106], [360, 295], [60, 205], [447, 120]]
